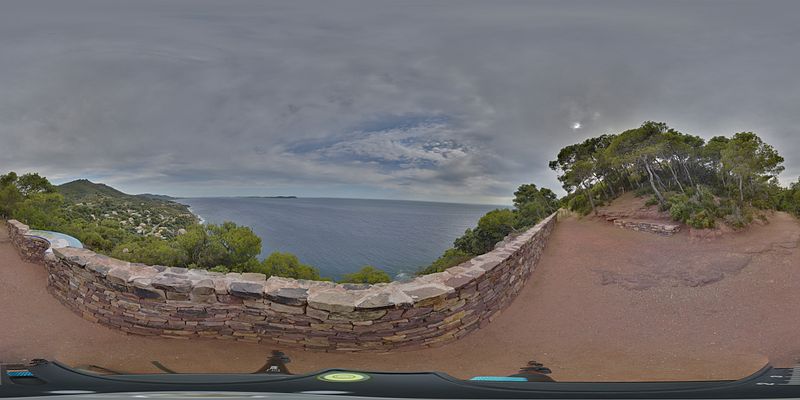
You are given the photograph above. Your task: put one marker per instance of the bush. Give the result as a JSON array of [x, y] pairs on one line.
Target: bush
[[653, 201], [702, 220], [643, 191], [41, 211], [680, 208], [450, 258], [492, 228], [739, 218], [229, 245], [367, 274], [697, 208], [580, 204], [286, 265], [149, 250]]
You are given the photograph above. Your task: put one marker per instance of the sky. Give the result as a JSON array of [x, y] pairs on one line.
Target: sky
[[429, 100]]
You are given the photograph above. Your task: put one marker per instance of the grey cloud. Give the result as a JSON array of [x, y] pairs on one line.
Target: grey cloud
[[211, 97]]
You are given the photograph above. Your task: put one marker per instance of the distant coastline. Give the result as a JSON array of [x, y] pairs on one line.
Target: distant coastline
[[267, 197], [198, 216]]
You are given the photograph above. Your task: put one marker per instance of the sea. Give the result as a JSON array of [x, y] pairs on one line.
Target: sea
[[338, 236]]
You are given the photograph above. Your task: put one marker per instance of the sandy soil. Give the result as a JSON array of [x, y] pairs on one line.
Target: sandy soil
[[604, 304]]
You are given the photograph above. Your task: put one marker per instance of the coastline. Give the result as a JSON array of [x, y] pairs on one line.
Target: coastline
[[199, 217]]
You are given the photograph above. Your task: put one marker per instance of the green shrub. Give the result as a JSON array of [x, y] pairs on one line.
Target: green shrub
[[285, 265], [653, 201], [580, 204], [643, 191], [367, 274], [492, 228], [680, 208], [702, 220], [696, 208], [450, 258], [221, 269], [739, 217], [149, 250]]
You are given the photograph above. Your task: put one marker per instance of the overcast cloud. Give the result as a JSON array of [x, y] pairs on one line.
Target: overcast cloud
[[434, 100]]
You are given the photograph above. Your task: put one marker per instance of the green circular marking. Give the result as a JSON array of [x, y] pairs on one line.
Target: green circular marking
[[343, 377]]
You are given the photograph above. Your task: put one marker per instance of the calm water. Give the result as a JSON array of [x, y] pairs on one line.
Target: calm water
[[341, 235]]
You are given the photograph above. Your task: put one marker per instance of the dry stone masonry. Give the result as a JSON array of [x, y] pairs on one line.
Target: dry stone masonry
[[179, 303], [659, 228], [30, 248]]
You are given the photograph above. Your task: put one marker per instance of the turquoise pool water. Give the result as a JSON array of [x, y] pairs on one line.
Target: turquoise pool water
[[57, 240]]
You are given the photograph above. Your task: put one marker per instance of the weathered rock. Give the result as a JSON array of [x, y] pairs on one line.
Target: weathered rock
[[337, 300], [119, 275], [171, 284], [290, 296], [143, 289], [389, 296], [283, 308], [203, 287], [248, 290], [254, 277]]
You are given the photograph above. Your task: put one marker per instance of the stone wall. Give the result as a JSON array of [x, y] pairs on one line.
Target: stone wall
[[30, 248], [659, 228], [323, 316]]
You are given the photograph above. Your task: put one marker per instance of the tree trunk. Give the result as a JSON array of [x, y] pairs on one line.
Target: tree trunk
[[653, 183], [588, 194], [605, 189], [741, 191], [688, 174], [660, 182], [674, 175]]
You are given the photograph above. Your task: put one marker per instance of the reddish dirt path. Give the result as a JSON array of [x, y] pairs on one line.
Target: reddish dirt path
[[604, 304]]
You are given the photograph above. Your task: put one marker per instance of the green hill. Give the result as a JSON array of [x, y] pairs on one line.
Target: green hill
[[83, 189], [138, 214]]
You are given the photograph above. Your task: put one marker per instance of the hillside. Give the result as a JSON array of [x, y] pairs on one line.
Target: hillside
[[139, 214], [83, 189]]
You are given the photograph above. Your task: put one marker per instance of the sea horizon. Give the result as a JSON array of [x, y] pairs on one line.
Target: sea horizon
[[340, 235]]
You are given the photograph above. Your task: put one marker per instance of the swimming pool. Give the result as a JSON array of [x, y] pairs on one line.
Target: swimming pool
[[57, 240]]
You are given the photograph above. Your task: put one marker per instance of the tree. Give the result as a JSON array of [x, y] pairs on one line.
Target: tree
[[533, 204], [492, 228], [15, 189], [751, 161], [41, 210], [450, 258], [367, 274], [10, 197], [286, 265], [229, 245], [200, 249], [241, 245], [32, 183], [577, 165], [711, 156]]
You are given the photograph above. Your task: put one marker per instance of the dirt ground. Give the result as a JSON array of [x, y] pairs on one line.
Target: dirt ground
[[604, 304]]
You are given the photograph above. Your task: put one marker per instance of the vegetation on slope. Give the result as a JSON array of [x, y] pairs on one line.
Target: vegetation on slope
[[367, 274], [146, 229], [531, 205], [698, 182]]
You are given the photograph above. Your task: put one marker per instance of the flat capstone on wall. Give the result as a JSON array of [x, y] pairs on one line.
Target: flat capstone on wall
[[183, 304]]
